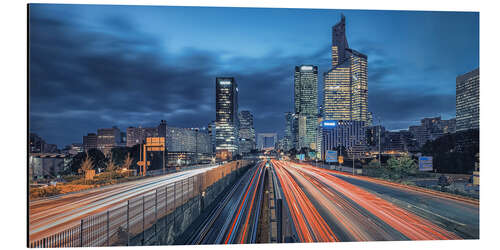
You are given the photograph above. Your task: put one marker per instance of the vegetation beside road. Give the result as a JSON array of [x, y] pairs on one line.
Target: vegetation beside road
[[404, 170], [114, 174]]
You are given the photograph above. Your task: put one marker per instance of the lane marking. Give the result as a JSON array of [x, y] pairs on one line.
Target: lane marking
[[440, 216]]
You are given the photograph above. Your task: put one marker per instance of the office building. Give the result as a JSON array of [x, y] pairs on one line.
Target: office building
[[346, 83], [267, 141], [306, 105], [38, 145], [89, 141], [107, 139], [288, 137], [347, 134], [211, 134], [138, 135], [449, 126], [467, 101], [375, 137], [45, 165], [247, 132], [226, 118], [421, 134]]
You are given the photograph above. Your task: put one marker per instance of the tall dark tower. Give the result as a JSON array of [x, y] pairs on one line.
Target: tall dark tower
[[339, 42], [345, 86], [226, 118]]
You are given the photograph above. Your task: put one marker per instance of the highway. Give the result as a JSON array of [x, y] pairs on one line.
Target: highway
[[55, 214], [235, 218], [328, 206], [319, 205]]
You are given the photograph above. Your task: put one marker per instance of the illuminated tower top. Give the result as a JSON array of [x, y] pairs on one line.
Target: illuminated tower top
[[339, 42]]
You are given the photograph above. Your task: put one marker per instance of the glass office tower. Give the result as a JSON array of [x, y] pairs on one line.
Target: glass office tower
[[467, 101], [346, 84], [247, 131], [226, 118], [306, 105]]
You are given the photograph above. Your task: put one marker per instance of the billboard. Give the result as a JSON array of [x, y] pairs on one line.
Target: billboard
[[425, 163], [329, 123], [331, 156], [300, 157]]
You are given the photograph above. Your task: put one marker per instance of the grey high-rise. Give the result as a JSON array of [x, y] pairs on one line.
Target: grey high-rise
[[247, 132], [226, 118], [467, 101], [306, 105]]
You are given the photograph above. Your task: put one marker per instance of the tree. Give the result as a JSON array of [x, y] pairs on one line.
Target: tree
[[110, 164], [454, 153], [127, 162], [87, 164], [374, 164], [119, 154], [96, 155], [400, 167]]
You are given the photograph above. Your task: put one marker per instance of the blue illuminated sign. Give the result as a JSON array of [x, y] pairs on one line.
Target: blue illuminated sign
[[329, 123], [331, 156]]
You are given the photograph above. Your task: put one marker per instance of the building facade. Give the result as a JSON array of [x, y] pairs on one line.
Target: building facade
[[211, 133], [267, 141], [288, 137], [89, 141], [306, 105], [467, 101], [137, 135], [45, 165], [247, 132], [346, 134], [226, 118], [107, 139], [345, 85]]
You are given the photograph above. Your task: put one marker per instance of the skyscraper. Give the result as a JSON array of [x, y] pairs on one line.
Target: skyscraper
[[247, 132], [226, 118], [288, 137], [107, 139], [467, 101], [306, 105], [346, 84]]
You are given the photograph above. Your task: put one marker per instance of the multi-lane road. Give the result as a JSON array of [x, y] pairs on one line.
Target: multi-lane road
[[235, 218], [319, 205], [52, 215], [327, 206]]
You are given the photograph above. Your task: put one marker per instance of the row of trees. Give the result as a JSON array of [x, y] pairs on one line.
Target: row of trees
[[116, 158]]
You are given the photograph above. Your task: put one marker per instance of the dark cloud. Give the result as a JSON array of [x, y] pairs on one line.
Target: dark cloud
[[85, 77]]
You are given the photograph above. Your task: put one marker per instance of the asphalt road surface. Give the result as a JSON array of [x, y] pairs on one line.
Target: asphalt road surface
[[328, 206], [55, 214], [235, 219]]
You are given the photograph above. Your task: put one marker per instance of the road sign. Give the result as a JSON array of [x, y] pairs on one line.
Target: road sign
[[331, 156], [300, 157], [155, 141], [425, 163], [341, 159], [141, 163]]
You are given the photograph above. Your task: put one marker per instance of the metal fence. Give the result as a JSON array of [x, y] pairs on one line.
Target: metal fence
[[118, 225]]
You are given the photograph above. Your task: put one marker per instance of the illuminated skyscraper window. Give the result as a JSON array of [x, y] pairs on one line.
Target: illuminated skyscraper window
[[226, 118], [346, 84]]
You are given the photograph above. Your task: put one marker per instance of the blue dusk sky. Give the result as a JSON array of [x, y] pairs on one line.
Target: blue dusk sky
[[95, 66]]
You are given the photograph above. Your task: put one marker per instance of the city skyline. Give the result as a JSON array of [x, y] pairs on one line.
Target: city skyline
[[89, 56]]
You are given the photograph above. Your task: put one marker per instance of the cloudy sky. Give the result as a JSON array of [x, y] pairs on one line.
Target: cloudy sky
[[95, 66]]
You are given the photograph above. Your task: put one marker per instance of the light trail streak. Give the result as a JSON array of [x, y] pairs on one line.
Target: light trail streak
[[350, 207]]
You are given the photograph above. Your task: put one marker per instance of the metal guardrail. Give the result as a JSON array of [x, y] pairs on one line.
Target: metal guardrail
[[118, 225]]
